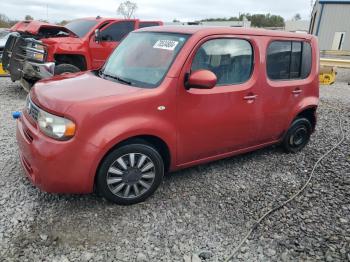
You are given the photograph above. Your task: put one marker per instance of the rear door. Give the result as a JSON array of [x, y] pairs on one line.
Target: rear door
[[111, 35], [226, 118], [288, 67]]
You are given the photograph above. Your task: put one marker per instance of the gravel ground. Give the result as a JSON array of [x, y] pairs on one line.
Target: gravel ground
[[198, 213]]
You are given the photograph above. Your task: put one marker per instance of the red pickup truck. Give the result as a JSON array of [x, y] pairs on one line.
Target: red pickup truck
[[39, 50]]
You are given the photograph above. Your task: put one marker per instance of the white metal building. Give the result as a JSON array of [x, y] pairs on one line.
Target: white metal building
[[330, 22]]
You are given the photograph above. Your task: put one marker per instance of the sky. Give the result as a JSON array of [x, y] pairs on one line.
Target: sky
[[165, 10]]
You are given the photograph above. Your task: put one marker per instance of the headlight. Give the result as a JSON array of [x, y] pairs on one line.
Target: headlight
[[35, 51], [54, 126]]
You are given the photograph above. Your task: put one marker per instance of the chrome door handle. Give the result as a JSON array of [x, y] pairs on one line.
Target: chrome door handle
[[297, 91], [250, 97]]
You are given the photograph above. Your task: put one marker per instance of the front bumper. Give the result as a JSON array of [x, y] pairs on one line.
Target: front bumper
[[32, 70], [55, 166], [20, 59]]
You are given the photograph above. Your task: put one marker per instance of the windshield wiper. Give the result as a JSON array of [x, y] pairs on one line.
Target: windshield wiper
[[116, 78]]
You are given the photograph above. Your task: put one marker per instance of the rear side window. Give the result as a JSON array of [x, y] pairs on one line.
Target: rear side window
[[288, 60], [148, 24], [117, 31], [231, 60]]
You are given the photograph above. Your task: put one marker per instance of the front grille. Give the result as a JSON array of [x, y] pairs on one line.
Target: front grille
[[8, 50], [32, 110], [17, 51], [14, 56]]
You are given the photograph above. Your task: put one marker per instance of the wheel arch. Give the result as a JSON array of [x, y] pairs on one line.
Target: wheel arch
[[73, 59], [155, 141], [159, 144], [307, 108], [310, 114]]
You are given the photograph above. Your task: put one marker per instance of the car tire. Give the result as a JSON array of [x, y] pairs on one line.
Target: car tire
[[130, 174], [297, 136], [65, 68]]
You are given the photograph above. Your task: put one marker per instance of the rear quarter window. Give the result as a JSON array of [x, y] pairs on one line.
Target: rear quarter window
[[148, 24], [117, 31], [288, 60]]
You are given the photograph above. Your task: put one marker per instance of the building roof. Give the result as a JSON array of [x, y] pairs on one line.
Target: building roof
[[213, 30], [334, 1]]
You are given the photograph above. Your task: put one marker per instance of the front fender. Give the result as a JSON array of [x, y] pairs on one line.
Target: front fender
[[120, 130], [68, 49]]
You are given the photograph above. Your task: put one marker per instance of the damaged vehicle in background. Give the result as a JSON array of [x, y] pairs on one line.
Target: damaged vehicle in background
[[4, 35], [40, 50]]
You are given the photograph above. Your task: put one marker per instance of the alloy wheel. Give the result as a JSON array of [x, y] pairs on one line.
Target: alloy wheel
[[131, 175]]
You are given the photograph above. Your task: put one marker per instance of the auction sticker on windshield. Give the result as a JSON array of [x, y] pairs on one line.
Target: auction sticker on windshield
[[166, 44]]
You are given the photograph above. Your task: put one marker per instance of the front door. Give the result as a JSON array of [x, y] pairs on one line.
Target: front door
[[111, 35], [226, 118]]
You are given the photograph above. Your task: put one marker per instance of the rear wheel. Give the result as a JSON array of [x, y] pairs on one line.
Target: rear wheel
[[130, 174], [297, 136], [65, 69]]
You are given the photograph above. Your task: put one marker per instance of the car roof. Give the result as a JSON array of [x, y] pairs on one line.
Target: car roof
[[99, 19], [213, 30]]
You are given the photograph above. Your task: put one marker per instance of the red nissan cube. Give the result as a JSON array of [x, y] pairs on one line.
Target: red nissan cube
[[169, 98]]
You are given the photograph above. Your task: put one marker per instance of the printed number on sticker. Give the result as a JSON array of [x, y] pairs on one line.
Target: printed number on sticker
[[165, 44]]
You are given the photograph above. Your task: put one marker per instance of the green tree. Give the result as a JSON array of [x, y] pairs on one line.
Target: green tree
[[127, 9], [297, 17], [257, 20], [63, 22], [4, 21], [28, 17]]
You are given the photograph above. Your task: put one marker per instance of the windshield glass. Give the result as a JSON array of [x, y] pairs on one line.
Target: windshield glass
[[81, 27], [144, 58]]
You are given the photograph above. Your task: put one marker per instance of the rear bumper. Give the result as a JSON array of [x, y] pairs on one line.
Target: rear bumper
[[55, 166]]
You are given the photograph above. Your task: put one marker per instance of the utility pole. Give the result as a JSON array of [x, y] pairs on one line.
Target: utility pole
[[311, 5], [47, 12]]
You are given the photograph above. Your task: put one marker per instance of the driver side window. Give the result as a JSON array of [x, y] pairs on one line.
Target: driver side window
[[231, 60], [117, 31]]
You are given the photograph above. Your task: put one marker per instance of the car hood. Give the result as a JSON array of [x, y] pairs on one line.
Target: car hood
[[57, 94], [64, 42], [33, 27]]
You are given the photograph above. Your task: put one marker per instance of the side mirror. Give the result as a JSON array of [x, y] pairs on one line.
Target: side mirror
[[201, 79], [97, 35]]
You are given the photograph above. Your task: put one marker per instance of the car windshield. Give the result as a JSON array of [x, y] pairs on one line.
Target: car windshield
[[144, 58], [81, 27]]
